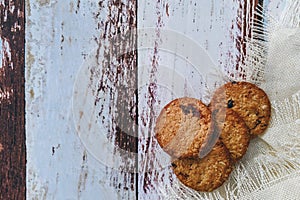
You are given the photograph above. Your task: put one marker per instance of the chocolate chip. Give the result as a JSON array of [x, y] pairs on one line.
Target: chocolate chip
[[230, 103], [190, 108], [233, 82], [185, 109], [174, 165], [264, 125], [258, 122]]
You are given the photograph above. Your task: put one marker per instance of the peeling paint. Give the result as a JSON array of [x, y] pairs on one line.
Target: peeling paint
[[54, 53], [65, 172], [62, 38], [83, 175], [37, 190], [28, 9], [167, 10], [31, 92], [80, 114], [118, 82], [45, 190], [54, 148], [208, 24], [77, 6], [43, 2], [6, 51], [29, 61], [6, 94]]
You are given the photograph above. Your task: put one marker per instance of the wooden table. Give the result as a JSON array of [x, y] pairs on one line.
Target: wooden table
[[51, 48]]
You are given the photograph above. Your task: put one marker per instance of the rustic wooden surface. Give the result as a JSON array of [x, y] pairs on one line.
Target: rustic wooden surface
[[66, 38], [12, 101], [61, 36], [220, 28]]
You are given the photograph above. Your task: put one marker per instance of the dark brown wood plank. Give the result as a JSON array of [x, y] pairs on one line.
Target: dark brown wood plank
[[12, 101]]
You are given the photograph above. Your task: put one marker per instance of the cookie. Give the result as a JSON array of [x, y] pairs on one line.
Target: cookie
[[204, 174], [234, 134], [248, 101], [183, 126]]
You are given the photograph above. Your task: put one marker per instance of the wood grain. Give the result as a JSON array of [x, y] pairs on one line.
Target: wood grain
[[12, 101]]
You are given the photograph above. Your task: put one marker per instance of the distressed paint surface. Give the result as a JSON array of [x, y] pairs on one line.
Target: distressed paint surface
[[214, 30], [63, 38], [60, 36], [12, 105]]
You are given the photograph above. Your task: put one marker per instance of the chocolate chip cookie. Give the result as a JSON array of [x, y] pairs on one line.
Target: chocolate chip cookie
[[234, 134], [204, 174], [182, 127], [248, 101]]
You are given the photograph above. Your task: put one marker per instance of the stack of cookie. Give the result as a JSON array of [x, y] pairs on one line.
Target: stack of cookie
[[206, 141]]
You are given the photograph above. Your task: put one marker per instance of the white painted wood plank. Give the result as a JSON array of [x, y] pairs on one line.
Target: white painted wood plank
[[206, 29], [59, 37]]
